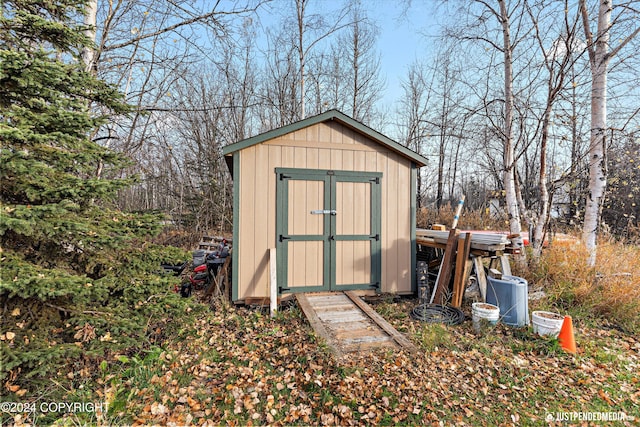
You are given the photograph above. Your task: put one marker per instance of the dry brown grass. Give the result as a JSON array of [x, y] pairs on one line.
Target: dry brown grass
[[610, 290], [469, 220]]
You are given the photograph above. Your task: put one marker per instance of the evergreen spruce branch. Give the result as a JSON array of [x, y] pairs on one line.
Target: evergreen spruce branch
[[69, 259], [68, 310]]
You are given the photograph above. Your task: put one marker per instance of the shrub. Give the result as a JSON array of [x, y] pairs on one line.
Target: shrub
[[55, 321]]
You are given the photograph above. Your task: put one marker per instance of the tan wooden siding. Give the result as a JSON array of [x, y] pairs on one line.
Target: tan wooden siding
[[305, 196], [326, 145], [305, 264], [353, 258], [349, 220], [305, 258], [353, 262]]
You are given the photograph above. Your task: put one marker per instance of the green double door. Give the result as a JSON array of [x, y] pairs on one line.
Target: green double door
[[327, 230]]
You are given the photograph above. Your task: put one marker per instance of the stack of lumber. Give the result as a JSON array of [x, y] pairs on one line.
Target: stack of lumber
[[462, 252], [457, 253], [479, 240]]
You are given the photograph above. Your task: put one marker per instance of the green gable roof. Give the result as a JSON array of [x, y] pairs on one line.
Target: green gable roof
[[324, 117]]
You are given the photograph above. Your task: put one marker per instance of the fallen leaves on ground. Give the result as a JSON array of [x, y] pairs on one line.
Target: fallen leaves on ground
[[244, 368]]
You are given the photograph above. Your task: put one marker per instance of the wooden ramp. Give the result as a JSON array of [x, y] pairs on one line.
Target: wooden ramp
[[349, 324]]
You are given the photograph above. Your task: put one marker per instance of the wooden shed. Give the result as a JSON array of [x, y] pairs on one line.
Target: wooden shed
[[335, 198]]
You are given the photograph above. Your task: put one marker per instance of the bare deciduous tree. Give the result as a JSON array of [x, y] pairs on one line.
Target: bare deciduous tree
[[413, 111], [318, 28], [558, 61], [361, 65], [478, 29], [600, 56]]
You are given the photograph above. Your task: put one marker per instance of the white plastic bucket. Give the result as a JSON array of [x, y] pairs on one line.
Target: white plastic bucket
[[482, 310], [547, 323]]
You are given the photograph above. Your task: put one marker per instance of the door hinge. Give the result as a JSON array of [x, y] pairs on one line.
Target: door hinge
[[283, 176], [377, 237], [283, 238], [375, 180]]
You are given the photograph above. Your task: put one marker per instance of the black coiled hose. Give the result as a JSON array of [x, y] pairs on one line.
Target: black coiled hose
[[436, 313]]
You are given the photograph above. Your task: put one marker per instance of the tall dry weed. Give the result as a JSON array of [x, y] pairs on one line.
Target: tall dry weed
[[611, 289]]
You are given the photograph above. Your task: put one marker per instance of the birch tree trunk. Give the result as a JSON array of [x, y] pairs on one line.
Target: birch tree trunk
[[599, 59], [89, 52], [509, 161]]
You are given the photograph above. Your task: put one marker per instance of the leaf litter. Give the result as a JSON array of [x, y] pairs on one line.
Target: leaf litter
[[242, 367], [274, 371]]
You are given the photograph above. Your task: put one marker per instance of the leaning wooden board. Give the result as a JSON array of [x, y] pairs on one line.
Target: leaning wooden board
[[348, 324], [463, 270], [442, 283]]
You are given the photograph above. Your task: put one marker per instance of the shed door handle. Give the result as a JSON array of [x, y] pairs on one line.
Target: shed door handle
[[324, 212]]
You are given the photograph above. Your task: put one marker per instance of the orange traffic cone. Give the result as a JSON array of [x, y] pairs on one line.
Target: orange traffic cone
[[567, 341]]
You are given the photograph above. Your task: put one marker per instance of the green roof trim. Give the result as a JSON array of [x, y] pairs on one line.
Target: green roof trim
[[327, 116]]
